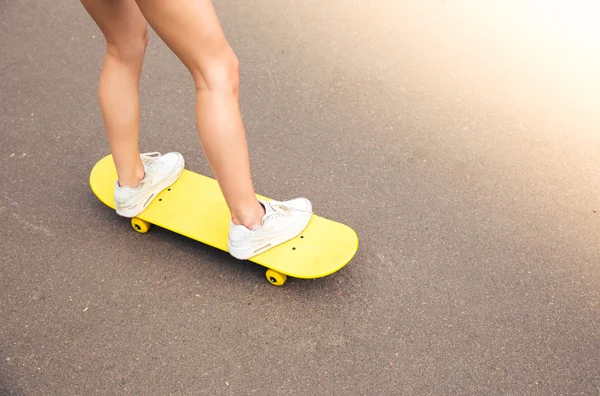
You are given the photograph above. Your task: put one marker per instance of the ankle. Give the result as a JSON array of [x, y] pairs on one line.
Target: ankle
[[132, 179], [250, 217]]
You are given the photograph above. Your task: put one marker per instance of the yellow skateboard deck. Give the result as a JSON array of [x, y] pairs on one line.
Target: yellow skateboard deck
[[195, 207]]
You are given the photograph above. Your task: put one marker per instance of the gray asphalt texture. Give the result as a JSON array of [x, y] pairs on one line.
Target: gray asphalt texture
[[461, 140]]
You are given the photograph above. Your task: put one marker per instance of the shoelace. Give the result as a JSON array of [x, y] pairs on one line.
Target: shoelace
[[149, 164], [281, 208], [147, 160]]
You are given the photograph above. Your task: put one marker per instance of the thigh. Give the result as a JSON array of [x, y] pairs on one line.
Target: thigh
[[122, 24], [191, 29]]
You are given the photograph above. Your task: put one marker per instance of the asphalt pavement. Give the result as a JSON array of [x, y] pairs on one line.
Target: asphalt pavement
[[461, 140]]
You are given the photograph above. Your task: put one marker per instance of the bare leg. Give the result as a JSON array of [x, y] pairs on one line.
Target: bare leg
[[124, 28], [192, 30]]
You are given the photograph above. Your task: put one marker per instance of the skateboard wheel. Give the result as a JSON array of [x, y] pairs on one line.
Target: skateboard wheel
[[275, 278], [140, 225]]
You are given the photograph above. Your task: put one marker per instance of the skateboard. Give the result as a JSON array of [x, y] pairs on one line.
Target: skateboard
[[195, 207]]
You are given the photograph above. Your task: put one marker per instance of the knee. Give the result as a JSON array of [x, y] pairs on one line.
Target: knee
[[221, 74], [130, 49]]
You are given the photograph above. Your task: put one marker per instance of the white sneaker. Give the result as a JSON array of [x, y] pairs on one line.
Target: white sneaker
[[161, 171], [281, 222]]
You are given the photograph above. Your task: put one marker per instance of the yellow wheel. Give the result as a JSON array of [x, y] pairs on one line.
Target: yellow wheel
[[276, 278], [140, 225]]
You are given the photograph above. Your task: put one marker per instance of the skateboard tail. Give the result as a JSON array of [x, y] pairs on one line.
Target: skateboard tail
[[102, 179]]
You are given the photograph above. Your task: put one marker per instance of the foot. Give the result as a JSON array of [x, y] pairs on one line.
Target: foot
[[161, 171], [282, 221]]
